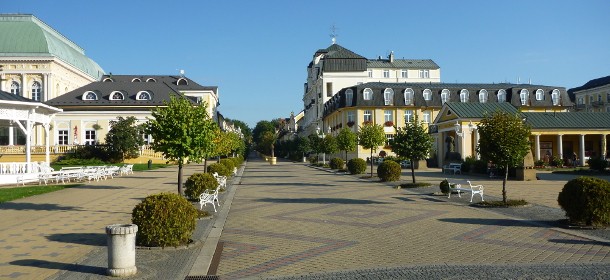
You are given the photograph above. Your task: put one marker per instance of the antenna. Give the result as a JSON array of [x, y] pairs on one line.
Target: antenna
[[182, 72], [333, 33]]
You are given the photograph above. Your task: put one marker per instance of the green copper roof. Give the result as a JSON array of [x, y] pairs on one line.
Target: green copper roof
[[27, 36], [568, 120], [472, 110]]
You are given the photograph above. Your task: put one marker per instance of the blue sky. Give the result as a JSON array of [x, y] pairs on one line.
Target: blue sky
[[257, 52]]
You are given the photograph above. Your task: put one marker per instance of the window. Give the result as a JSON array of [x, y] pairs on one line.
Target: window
[[590, 100], [117, 95], [351, 117], [409, 96], [386, 73], [427, 95], [501, 96], [424, 74], [539, 94], [524, 95], [370, 71], [15, 88], [388, 96], [36, 91], [580, 101], [464, 95], [388, 116], [599, 98], [151, 80], [136, 80], [89, 137], [62, 137], [408, 116], [349, 97], [329, 89], [404, 73], [89, 95], [483, 96], [182, 82], [108, 80], [427, 116], [388, 139], [368, 116], [555, 97], [144, 95], [445, 95], [367, 94]]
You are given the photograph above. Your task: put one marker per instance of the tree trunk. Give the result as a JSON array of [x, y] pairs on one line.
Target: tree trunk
[[412, 170], [371, 163], [180, 164], [504, 184]]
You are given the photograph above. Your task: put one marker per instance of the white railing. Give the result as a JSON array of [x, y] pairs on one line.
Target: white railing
[[145, 151], [12, 168]]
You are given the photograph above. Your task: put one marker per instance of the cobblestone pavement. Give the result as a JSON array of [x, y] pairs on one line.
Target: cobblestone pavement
[[289, 220]]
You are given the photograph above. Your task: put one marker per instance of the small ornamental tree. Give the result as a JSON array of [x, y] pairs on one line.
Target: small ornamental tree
[[504, 140], [125, 138], [182, 130], [329, 145], [302, 145], [370, 137], [315, 143], [412, 142], [347, 141]]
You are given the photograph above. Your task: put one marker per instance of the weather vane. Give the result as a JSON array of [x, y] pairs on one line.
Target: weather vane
[[333, 33]]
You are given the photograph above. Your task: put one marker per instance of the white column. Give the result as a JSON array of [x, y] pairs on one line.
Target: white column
[[47, 157], [582, 150], [11, 136], [23, 86], [560, 145], [603, 149], [537, 146], [28, 136], [476, 144], [45, 87]]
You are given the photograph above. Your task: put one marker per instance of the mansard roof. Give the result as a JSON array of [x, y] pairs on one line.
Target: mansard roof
[[599, 82], [179, 83], [403, 64]]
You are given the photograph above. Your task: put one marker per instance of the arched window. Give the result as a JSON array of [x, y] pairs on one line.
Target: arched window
[[445, 95], [483, 96], [15, 88], [409, 96], [555, 97], [501, 96], [36, 91], [144, 95], [110, 80], [182, 82], [524, 96], [367, 94], [464, 95], [427, 94], [150, 80], [117, 95], [388, 96], [349, 97], [136, 80], [89, 95], [539, 94]]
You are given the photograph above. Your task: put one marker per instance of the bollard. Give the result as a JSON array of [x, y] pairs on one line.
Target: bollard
[[121, 249], [149, 164]]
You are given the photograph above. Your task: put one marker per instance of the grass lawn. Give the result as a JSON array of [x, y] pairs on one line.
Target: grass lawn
[[8, 194]]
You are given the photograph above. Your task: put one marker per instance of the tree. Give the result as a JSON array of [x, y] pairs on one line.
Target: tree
[[412, 142], [329, 145], [504, 140], [262, 145], [347, 141], [125, 138], [302, 145], [315, 143], [370, 137], [183, 130]]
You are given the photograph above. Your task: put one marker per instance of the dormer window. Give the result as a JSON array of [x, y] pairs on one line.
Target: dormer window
[[483, 96], [539, 94], [524, 96], [367, 94], [555, 97], [427, 94], [445, 95], [144, 95], [182, 82], [89, 95], [501, 96], [117, 95], [388, 96], [409, 96], [151, 80], [109, 80], [136, 80], [349, 97], [464, 95]]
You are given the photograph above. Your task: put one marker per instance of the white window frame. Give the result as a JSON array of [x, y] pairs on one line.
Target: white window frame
[[90, 137], [370, 73], [15, 88], [501, 96], [139, 95], [36, 91], [524, 96], [445, 96], [367, 94], [464, 95], [555, 96], [483, 96], [427, 94], [539, 94], [388, 138], [388, 115], [349, 97], [427, 116], [409, 116], [351, 116], [388, 96], [89, 95], [404, 73], [424, 74], [409, 94], [117, 95], [63, 136], [368, 115], [386, 73]]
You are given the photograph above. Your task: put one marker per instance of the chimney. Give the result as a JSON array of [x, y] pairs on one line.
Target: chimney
[[391, 56]]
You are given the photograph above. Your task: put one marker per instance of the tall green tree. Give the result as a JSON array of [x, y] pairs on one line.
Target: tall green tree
[[412, 142], [371, 136], [302, 145], [183, 130], [125, 138], [504, 140], [315, 143], [329, 145], [347, 141]]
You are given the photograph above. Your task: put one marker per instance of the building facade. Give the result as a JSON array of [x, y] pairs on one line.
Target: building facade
[[593, 96]]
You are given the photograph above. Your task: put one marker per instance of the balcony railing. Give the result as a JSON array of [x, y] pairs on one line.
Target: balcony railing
[[145, 151]]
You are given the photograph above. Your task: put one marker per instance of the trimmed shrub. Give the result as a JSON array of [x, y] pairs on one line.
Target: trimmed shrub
[[221, 169], [586, 200], [597, 163], [444, 186], [389, 171], [163, 220], [198, 183], [356, 166], [229, 164], [336, 163]]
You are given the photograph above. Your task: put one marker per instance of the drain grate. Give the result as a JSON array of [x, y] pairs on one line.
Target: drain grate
[[205, 277]]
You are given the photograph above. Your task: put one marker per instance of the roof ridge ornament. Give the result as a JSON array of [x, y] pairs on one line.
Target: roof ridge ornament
[[333, 34]]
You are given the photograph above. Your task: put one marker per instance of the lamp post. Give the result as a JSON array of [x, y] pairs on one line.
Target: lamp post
[[321, 135]]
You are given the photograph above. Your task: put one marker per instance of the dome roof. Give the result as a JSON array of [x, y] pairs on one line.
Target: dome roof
[[27, 36]]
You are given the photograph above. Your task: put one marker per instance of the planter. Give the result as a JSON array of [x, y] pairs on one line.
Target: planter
[[272, 160], [304, 159], [121, 249]]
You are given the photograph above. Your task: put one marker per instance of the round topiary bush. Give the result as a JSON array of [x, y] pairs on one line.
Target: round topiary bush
[[444, 186], [221, 169], [389, 171], [586, 200], [356, 166], [229, 164], [336, 163], [163, 220], [198, 183]]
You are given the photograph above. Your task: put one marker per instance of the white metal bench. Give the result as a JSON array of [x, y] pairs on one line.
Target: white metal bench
[[476, 189], [209, 197], [453, 167], [126, 169], [222, 180]]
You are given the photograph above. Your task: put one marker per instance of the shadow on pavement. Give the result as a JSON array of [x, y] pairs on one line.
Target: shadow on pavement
[[497, 222], [92, 187], [94, 239], [61, 266], [33, 206], [321, 200], [292, 184], [404, 199], [579, 242]]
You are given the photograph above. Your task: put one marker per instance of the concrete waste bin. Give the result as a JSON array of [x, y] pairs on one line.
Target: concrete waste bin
[[121, 249]]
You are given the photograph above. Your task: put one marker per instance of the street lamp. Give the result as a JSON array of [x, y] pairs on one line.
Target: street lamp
[[321, 135]]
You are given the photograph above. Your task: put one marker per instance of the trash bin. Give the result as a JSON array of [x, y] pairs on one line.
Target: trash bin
[[121, 249], [150, 164]]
